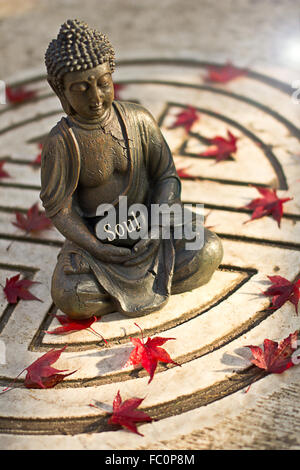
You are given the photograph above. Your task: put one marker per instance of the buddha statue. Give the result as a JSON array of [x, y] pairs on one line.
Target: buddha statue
[[102, 153]]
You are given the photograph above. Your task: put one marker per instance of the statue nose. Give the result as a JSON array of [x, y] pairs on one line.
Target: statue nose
[[96, 96]]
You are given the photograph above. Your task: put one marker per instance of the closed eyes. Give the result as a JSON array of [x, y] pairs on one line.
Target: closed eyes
[[84, 86]]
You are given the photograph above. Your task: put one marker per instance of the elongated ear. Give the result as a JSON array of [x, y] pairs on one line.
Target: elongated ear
[[61, 96]]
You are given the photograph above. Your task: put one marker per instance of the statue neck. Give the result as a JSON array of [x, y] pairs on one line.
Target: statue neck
[[104, 122]]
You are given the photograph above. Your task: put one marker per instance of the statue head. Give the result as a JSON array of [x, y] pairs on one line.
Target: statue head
[[79, 64]]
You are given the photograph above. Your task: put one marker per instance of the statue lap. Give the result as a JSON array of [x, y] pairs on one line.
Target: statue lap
[[80, 295]]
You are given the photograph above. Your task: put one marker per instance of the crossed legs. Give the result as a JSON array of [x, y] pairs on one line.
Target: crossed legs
[[79, 295]]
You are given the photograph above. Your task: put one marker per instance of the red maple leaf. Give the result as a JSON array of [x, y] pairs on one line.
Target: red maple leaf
[[3, 173], [15, 289], [18, 95], [283, 291], [181, 172], [275, 358], [69, 325], [125, 413], [186, 118], [33, 221], [40, 374], [224, 73], [117, 88], [205, 220], [223, 148], [149, 354], [38, 158], [269, 204]]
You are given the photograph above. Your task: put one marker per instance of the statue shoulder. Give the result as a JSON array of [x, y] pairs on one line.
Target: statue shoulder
[[54, 140], [137, 111]]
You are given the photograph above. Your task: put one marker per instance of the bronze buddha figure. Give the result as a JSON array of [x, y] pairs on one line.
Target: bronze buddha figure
[[103, 151]]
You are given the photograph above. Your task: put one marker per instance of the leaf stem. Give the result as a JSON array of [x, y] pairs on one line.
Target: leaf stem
[[141, 332], [8, 247], [96, 333], [11, 383]]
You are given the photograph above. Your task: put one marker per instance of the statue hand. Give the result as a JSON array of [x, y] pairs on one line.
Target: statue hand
[[141, 245], [113, 254], [142, 250], [75, 263]]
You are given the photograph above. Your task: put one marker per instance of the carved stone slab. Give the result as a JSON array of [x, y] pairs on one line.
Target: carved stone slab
[[211, 324]]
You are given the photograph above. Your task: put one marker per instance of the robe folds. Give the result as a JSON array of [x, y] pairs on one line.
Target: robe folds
[[138, 289]]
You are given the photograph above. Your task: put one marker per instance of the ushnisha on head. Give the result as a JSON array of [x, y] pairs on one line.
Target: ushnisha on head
[[79, 64]]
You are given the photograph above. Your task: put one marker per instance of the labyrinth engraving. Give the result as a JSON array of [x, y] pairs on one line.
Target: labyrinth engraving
[[209, 323]]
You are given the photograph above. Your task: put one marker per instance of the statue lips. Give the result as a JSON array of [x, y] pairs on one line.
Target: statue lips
[[97, 107], [99, 110]]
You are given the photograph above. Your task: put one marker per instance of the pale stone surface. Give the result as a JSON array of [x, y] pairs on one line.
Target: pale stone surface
[[211, 324], [246, 32]]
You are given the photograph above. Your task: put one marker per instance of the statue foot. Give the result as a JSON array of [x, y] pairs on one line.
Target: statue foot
[[198, 271], [79, 296]]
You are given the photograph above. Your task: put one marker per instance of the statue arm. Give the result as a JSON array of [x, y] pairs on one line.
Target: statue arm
[[161, 167], [58, 202], [69, 223], [164, 179]]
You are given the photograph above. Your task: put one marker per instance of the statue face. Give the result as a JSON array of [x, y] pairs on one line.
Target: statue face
[[90, 92]]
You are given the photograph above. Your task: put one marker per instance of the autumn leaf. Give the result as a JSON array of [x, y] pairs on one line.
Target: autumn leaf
[[268, 204], [16, 288], [181, 172], [186, 118], [40, 374], [205, 221], [38, 159], [69, 325], [275, 357], [223, 148], [125, 413], [3, 173], [33, 221], [147, 355], [18, 95], [224, 74], [283, 291], [117, 88]]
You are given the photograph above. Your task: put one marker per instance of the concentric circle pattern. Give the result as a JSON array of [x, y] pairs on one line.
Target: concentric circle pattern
[[211, 324]]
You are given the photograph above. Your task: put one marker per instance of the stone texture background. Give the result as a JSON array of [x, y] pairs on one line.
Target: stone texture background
[[248, 32]]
